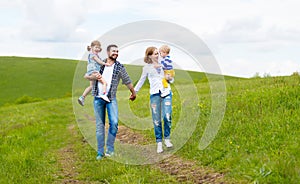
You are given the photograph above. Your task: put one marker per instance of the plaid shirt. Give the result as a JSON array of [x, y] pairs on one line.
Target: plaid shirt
[[119, 72]]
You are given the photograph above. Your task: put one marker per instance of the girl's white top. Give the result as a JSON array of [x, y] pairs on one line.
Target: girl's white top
[[155, 76]]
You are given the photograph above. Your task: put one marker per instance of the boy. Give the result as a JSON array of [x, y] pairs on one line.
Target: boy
[[167, 65]]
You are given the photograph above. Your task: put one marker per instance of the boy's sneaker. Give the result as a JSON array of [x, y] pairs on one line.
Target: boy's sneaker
[[159, 147], [109, 153], [81, 100], [99, 156], [168, 143], [104, 97]]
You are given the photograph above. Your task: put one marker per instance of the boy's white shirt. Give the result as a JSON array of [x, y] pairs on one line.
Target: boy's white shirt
[[155, 80]]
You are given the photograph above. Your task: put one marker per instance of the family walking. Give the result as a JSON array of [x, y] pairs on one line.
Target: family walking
[[104, 76]]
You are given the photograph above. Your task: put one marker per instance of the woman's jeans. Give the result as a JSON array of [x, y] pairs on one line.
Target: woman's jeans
[[161, 107], [100, 106]]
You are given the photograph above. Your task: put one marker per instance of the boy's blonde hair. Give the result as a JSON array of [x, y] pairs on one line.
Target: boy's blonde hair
[[165, 48]]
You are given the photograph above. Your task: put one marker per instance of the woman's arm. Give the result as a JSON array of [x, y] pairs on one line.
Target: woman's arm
[[142, 79]]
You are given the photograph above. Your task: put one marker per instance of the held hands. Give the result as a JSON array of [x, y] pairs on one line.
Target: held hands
[[132, 96]]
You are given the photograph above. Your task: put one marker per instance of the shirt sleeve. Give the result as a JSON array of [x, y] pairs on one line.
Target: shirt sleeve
[[142, 80], [124, 76]]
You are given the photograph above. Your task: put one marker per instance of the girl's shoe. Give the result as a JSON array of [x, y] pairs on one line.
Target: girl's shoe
[[104, 97], [81, 100]]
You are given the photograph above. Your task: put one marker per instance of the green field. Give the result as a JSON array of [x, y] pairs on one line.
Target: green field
[[40, 140], [35, 79]]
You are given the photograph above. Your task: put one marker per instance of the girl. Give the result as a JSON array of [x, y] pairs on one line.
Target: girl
[[94, 63]]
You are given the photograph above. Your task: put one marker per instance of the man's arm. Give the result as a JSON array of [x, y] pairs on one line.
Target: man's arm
[[127, 81], [133, 93]]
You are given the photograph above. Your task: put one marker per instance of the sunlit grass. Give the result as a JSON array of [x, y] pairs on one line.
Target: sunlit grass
[[258, 141]]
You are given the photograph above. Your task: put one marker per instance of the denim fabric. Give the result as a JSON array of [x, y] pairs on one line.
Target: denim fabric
[[100, 106], [93, 65], [161, 107]]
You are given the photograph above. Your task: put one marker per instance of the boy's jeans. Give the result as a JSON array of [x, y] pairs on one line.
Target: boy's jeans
[[100, 106], [161, 106]]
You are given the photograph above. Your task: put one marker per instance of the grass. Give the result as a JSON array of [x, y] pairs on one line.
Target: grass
[[258, 141], [34, 79], [32, 136], [259, 138]]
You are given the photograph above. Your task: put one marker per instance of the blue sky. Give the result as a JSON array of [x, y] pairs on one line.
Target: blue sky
[[245, 36]]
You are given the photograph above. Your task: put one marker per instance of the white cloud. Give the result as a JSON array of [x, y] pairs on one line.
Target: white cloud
[[52, 20], [241, 33], [8, 34], [248, 67], [241, 30], [9, 3], [134, 54], [104, 6]]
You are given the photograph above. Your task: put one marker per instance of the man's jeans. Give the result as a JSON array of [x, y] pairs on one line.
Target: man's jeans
[[100, 106], [161, 106]]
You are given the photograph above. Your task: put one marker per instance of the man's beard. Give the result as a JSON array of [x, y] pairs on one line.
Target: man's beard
[[113, 58]]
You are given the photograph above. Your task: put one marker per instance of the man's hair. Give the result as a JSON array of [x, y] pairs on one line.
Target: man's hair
[[110, 46]]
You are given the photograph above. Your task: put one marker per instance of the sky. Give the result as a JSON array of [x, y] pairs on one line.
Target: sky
[[246, 37]]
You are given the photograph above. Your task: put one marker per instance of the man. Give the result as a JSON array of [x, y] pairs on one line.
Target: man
[[112, 74]]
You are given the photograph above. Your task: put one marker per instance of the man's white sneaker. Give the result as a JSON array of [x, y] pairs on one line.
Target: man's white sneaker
[[159, 147], [168, 143]]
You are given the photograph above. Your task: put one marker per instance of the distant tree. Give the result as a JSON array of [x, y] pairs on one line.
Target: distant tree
[[267, 75], [256, 75], [295, 74]]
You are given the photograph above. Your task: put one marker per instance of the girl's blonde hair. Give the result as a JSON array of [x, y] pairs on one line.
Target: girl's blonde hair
[[94, 43], [149, 52]]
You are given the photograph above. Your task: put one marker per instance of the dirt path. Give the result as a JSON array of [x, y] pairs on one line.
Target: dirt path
[[182, 170], [67, 159]]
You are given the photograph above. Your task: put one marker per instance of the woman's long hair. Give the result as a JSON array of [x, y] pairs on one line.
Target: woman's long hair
[[148, 53]]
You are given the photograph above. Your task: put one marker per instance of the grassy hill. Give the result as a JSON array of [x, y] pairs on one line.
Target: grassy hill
[[25, 79], [34, 79], [40, 142]]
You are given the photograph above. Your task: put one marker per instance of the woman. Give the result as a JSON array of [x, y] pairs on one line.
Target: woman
[[160, 97]]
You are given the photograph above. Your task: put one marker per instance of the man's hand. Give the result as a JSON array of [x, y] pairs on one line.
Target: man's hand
[[98, 77], [93, 76], [132, 96], [133, 92]]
